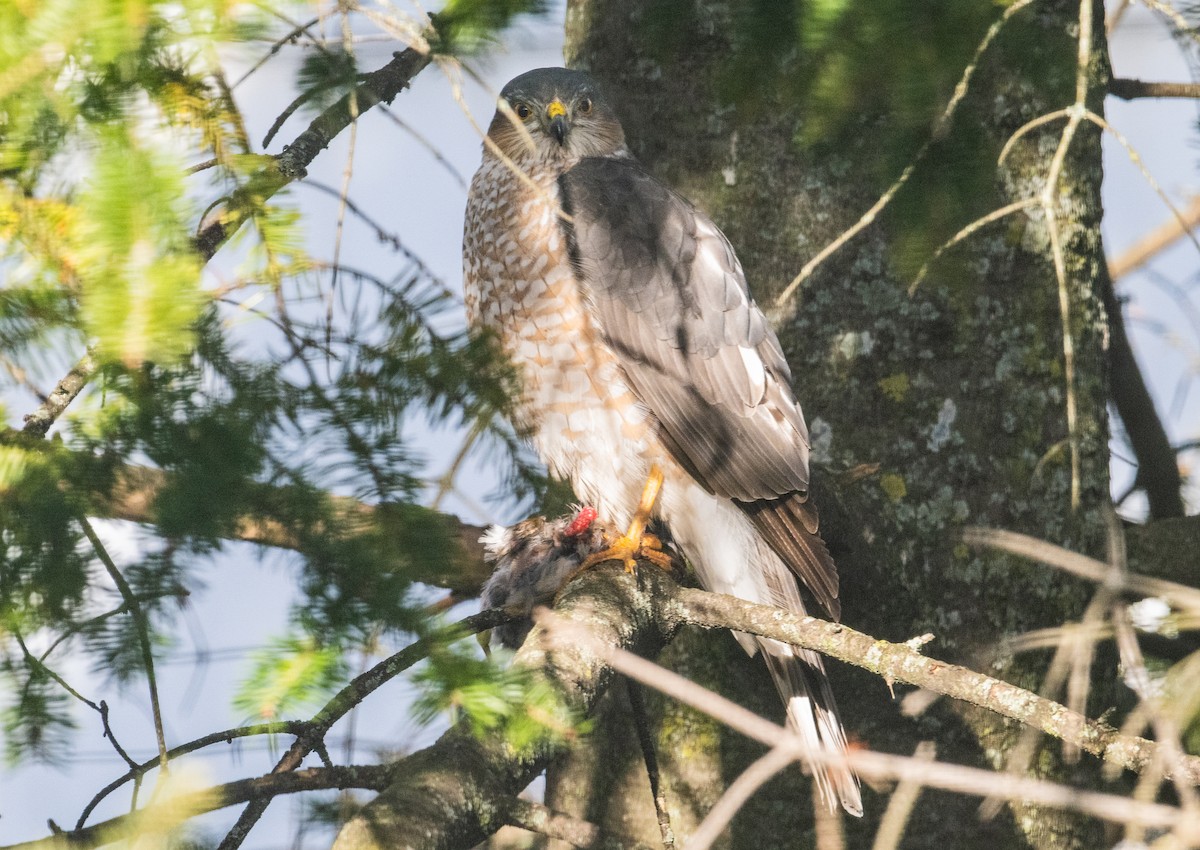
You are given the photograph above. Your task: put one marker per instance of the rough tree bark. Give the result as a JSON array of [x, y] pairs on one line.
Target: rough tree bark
[[954, 396]]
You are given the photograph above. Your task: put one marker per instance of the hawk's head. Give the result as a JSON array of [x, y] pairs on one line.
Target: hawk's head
[[555, 114]]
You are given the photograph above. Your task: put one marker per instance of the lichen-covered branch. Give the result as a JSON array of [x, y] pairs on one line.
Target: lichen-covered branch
[[38, 422], [455, 793], [900, 663]]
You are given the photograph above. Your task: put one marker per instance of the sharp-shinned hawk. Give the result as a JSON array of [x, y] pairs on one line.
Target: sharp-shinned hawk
[[641, 353]]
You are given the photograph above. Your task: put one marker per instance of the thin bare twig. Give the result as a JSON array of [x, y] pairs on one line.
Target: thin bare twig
[[1166, 730], [1070, 666], [21, 376], [1114, 18], [39, 421], [73, 629], [994, 215], [446, 65], [1136, 159], [1156, 241], [278, 44], [741, 790], [1028, 127], [902, 663], [392, 238], [142, 626], [150, 818], [445, 482], [344, 194], [1049, 198], [900, 806], [291, 727], [829, 825], [641, 722], [1166, 10], [950, 777], [1176, 595], [36, 664], [344, 700]]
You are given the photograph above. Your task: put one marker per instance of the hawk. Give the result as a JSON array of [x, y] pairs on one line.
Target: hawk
[[644, 362]]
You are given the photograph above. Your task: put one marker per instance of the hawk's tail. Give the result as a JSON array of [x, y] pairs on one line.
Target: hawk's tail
[[812, 713], [732, 556]]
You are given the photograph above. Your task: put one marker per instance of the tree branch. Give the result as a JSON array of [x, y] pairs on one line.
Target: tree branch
[[455, 792], [1158, 465], [461, 569], [293, 727], [151, 818], [900, 663], [578, 833], [1159, 548], [142, 624], [347, 698], [1157, 240], [955, 778], [1128, 89], [461, 789], [379, 86], [38, 422]]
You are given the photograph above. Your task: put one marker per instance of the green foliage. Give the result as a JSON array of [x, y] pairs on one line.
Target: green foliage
[[846, 62], [324, 77], [139, 278], [290, 674], [491, 696], [276, 406], [29, 313], [35, 715], [467, 26], [43, 570], [94, 217]]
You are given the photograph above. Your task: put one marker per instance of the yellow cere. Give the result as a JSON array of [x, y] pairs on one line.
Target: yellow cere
[[555, 109]]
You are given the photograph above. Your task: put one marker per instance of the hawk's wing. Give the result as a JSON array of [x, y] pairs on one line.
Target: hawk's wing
[[672, 302]]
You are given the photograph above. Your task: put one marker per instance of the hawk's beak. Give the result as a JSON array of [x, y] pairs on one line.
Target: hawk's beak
[[556, 115]]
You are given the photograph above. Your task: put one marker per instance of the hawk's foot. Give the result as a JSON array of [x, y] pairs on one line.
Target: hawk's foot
[[634, 543], [652, 551], [629, 549]]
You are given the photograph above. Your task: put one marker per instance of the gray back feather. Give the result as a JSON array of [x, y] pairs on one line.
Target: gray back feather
[[672, 301]]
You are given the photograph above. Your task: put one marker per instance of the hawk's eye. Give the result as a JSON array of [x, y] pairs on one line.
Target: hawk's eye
[[522, 109], [585, 105]]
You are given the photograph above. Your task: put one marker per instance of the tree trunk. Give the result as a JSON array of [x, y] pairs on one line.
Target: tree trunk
[[929, 412]]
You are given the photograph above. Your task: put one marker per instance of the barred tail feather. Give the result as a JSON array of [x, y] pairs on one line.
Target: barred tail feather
[[730, 556], [812, 713], [791, 527]]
